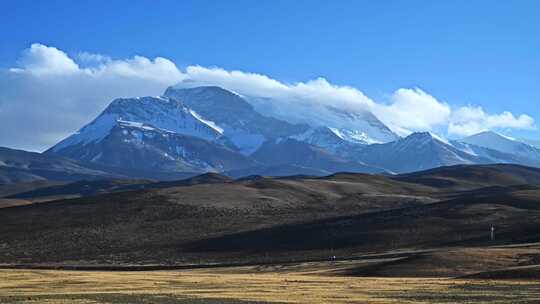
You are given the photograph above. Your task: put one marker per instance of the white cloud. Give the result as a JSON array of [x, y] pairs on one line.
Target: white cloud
[[50, 95], [90, 58], [43, 60], [158, 70], [470, 120], [318, 91], [413, 110], [243, 83]]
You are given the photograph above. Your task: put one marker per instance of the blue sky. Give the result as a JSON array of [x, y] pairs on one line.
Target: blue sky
[[481, 53]]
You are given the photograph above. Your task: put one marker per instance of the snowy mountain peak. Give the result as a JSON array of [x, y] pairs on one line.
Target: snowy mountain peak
[[488, 135], [238, 120], [143, 112], [425, 137]]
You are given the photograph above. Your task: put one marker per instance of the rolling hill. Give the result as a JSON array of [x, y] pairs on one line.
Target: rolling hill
[[18, 166], [215, 219]]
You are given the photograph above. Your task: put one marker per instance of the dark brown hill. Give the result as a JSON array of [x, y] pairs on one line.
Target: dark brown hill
[[216, 219]]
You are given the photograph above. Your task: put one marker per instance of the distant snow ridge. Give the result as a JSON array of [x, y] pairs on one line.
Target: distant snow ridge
[[492, 140], [418, 151]]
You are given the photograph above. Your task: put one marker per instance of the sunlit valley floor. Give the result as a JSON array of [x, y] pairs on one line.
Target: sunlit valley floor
[[301, 283]]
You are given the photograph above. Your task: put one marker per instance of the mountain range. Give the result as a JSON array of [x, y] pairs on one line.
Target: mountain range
[[192, 130]]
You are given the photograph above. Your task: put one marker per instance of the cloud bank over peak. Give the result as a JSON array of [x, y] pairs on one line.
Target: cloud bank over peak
[[407, 110], [318, 91], [49, 94]]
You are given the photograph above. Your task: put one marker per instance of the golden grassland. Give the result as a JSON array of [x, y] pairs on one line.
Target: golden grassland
[[240, 285]]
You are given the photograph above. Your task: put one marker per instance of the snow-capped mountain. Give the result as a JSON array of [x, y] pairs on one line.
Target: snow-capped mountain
[[418, 151], [234, 116], [204, 129], [210, 129], [504, 144]]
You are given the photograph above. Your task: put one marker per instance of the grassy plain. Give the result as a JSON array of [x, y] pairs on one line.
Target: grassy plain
[[252, 284]]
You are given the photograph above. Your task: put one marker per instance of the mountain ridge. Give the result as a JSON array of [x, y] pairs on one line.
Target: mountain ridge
[[201, 129]]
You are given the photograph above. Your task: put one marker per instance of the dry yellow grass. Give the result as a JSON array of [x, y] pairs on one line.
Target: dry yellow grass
[[51, 286]]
